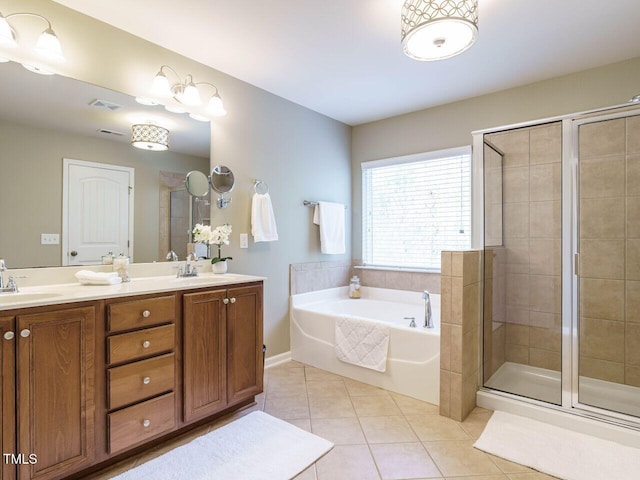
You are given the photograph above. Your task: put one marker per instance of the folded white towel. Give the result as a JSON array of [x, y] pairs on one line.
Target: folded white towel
[[87, 277], [331, 219], [362, 342], [263, 221]]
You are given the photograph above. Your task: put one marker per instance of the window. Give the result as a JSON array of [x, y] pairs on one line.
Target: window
[[414, 207]]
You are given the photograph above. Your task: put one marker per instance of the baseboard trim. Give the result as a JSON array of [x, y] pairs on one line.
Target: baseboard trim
[[277, 359]]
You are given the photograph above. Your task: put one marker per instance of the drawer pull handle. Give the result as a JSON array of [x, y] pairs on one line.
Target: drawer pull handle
[[9, 335], [146, 380], [146, 423], [233, 299], [25, 333], [146, 344], [146, 314], [225, 301]]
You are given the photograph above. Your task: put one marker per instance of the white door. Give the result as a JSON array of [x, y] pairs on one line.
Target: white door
[[97, 211]]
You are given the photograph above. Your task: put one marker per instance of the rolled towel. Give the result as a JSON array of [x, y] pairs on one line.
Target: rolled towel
[[87, 277]]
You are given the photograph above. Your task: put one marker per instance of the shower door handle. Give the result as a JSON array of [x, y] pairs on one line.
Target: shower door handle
[[576, 264]]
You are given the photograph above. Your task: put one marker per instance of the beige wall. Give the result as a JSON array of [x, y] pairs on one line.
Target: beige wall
[[300, 154], [31, 187], [451, 125]]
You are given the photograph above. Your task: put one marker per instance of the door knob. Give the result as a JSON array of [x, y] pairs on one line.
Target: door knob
[[146, 344], [73, 253], [9, 335], [25, 333], [225, 301], [233, 299]]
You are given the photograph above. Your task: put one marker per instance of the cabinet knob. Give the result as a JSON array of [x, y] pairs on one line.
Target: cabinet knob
[[25, 333], [146, 344], [146, 314], [146, 423], [9, 335], [233, 299], [146, 380], [225, 301]]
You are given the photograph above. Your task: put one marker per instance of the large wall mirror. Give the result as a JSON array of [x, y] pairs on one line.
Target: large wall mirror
[[46, 119]]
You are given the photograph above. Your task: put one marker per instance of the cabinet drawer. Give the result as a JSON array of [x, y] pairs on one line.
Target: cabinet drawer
[[141, 313], [134, 345], [140, 380], [140, 422]]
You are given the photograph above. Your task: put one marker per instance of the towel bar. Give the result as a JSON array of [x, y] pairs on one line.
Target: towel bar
[[307, 203]]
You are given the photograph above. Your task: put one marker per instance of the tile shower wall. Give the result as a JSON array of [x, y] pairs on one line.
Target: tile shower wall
[[309, 277], [532, 244], [459, 337], [494, 324], [399, 280], [609, 170]]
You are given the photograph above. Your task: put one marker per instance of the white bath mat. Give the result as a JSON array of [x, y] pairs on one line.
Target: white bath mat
[[257, 446], [557, 451]]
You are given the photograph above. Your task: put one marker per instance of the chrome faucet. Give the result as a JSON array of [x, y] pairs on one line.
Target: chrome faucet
[[428, 320], [188, 270], [3, 267], [172, 256]]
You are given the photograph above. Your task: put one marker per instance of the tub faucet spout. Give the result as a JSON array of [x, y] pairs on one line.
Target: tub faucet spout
[[428, 320]]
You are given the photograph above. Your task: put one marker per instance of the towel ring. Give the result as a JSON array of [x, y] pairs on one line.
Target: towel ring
[[260, 187]]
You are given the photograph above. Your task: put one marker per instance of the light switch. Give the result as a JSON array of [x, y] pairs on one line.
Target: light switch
[[49, 239], [244, 240]]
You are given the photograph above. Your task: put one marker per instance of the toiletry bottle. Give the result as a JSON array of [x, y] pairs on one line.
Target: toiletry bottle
[[354, 287], [121, 265]]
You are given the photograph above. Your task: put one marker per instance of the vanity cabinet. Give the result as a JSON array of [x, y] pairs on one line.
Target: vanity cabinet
[[54, 398], [141, 370], [222, 349]]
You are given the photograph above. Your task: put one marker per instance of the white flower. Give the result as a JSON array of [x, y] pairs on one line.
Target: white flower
[[220, 235], [202, 233]]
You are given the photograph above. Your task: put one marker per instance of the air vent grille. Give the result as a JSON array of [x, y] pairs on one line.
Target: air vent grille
[[97, 103], [104, 131]]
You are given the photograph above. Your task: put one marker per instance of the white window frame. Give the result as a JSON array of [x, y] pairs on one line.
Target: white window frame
[[419, 157]]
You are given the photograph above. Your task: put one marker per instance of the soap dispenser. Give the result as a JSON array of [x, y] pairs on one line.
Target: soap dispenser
[[354, 287]]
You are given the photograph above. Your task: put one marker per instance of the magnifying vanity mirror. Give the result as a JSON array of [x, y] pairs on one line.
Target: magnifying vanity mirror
[[221, 180]]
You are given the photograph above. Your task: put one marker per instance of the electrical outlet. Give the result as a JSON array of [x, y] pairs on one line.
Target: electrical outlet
[[244, 240], [49, 239]]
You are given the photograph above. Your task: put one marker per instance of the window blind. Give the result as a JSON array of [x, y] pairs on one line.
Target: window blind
[[414, 210]]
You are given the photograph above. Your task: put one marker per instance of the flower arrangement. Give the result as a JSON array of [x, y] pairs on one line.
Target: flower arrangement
[[218, 236]]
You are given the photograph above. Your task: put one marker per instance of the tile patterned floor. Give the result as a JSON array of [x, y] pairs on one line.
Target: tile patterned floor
[[378, 435]]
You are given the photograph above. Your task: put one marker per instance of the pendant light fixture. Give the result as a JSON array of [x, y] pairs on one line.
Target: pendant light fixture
[[438, 29], [47, 45], [148, 136]]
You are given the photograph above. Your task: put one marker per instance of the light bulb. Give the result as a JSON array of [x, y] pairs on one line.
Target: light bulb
[[216, 107], [48, 45], [160, 86], [190, 95], [7, 36]]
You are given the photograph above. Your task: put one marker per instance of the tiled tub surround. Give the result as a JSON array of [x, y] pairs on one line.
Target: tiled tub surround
[[413, 363], [494, 326], [460, 319], [308, 277]]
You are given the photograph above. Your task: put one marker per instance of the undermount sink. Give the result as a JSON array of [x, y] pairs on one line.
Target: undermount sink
[[208, 278], [19, 297]]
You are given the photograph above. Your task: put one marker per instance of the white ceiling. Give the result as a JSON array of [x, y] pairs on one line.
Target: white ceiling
[[343, 58]]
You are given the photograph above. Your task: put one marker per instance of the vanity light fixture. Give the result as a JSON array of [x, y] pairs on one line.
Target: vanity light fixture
[[187, 92], [47, 44], [438, 29], [148, 136]]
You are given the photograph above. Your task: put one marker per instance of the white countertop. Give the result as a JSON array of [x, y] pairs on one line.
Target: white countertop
[[56, 294]]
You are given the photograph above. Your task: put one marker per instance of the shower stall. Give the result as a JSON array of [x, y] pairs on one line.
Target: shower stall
[[561, 228]]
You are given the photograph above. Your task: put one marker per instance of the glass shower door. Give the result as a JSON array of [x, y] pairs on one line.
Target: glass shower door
[[608, 310], [523, 227]]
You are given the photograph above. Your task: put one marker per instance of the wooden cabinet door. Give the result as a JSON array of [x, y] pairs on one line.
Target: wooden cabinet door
[[244, 343], [56, 391], [204, 353], [7, 395]]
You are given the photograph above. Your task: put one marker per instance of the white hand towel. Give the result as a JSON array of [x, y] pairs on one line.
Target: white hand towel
[[362, 342], [263, 221], [331, 219], [87, 277]]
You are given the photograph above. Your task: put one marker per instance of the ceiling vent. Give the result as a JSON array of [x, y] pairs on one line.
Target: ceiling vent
[[104, 105], [104, 131]]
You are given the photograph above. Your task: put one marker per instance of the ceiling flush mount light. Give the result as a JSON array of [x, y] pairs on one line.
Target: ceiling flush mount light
[[47, 45], [438, 29], [148, 136], [187, 92]]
